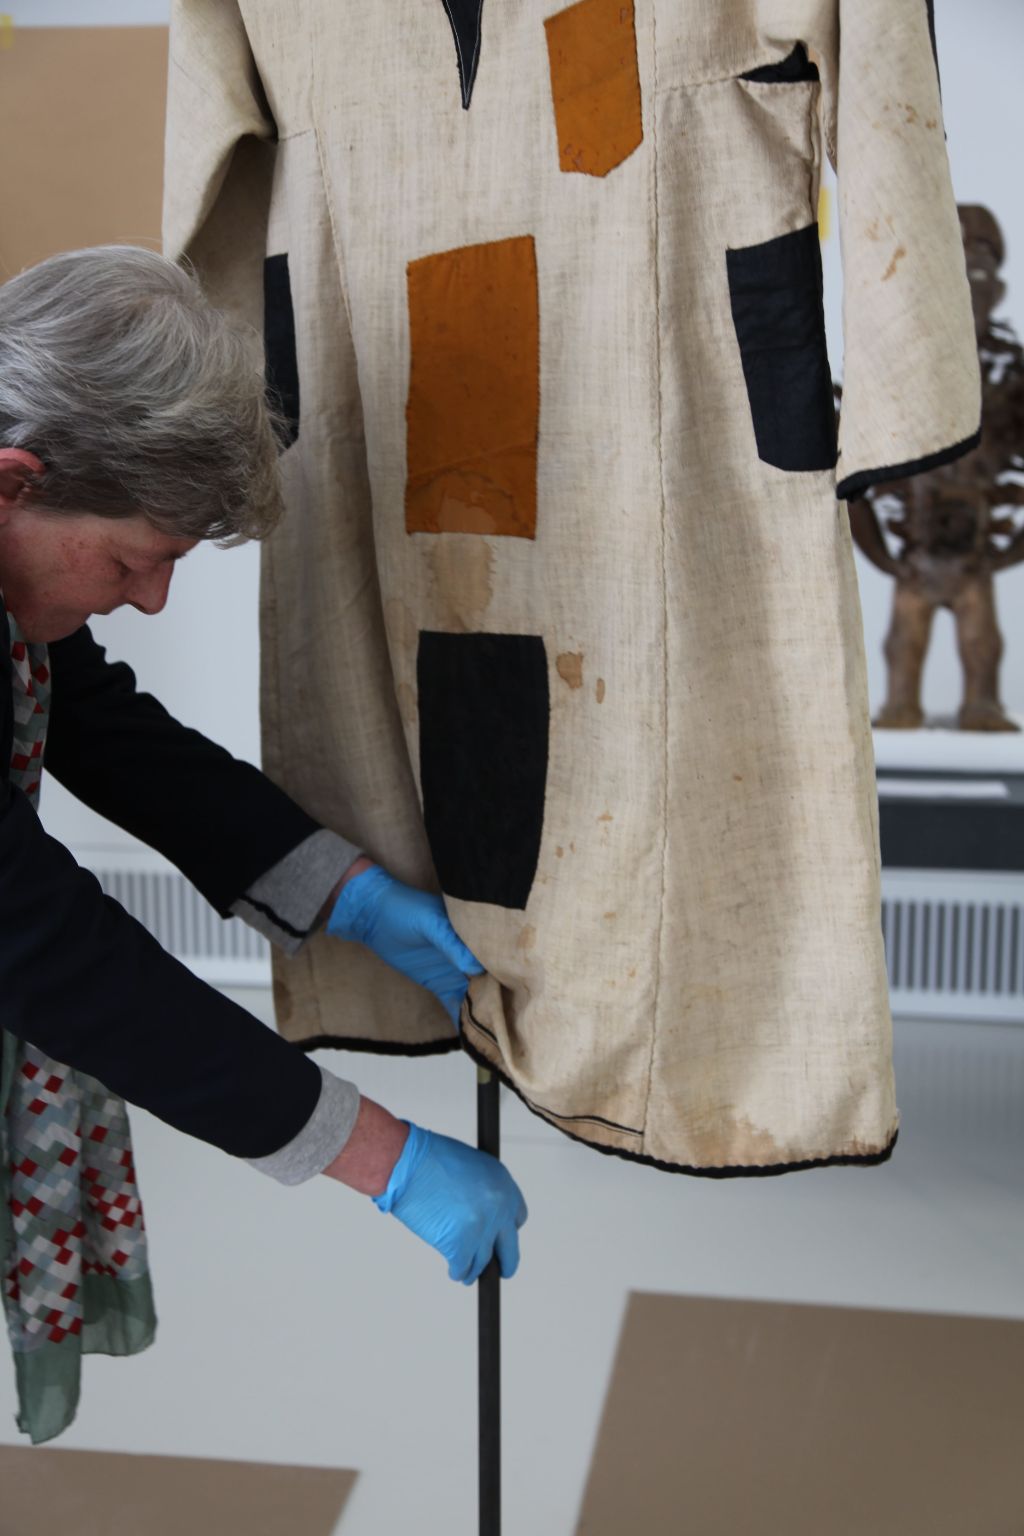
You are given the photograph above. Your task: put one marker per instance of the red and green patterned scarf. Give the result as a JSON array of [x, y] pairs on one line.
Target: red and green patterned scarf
[[72, 1236]]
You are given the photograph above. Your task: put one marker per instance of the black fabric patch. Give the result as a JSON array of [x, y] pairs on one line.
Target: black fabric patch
[[776, 295], [854, 486], [797, 66], [465, 17], [279, 342], [484, 709]]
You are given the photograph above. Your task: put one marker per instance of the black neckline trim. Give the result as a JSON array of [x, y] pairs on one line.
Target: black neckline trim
[[854, 486]]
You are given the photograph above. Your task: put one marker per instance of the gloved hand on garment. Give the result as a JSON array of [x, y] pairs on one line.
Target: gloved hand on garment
[[462, 1202], [410, 930]]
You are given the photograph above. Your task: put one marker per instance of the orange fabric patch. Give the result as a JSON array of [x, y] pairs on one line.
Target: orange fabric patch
[[595, 84], [473, 411]]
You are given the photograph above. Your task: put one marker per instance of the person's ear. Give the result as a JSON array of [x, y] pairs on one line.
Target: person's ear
[[18, 470]]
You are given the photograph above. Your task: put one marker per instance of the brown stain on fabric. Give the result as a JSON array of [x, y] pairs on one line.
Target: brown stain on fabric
[[527, 938], [463, 580], [595, 85], [599, 690], [569, 666], [721, 1140], [897, 256], [607, 816], [473, 407]]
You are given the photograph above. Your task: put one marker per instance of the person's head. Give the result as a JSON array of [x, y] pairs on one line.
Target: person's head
[[133, 424]]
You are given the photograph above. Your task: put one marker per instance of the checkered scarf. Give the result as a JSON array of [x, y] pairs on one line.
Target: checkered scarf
[[75, 1271]]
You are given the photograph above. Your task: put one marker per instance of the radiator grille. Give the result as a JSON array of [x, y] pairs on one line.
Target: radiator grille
[[224, 952], [954, 942]]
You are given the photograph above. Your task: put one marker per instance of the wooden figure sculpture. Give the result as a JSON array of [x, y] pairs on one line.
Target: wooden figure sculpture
[[955, 523]]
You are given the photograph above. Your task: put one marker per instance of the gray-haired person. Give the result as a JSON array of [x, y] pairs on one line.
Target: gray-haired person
[[133, 425]]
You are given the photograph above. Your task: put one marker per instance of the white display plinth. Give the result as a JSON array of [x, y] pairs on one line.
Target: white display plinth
[[939, 746]]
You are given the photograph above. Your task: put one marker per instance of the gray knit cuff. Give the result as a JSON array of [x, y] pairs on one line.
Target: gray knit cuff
[[284, 904], [322, 1137]]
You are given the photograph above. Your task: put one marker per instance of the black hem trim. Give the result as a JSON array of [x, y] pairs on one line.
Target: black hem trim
[[613, 1125], [733, 1171], [377, 1047], [854, 486]]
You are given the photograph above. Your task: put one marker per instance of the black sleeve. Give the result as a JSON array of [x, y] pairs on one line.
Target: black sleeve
[[221, 821], [88, 985]]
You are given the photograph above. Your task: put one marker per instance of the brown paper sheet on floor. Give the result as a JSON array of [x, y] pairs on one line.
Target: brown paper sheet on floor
[[729, 1417], [104, 1493]]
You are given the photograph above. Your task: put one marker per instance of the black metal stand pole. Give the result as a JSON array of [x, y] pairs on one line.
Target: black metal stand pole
[[489, 1288]]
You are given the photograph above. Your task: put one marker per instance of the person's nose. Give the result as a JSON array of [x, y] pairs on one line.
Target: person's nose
[[149, 593]]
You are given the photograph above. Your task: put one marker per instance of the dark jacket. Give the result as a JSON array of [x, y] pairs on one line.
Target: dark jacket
[[84, 981]]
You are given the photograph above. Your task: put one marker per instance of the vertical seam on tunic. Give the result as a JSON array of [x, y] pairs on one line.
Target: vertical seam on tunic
[[335, 242], [664, 574]]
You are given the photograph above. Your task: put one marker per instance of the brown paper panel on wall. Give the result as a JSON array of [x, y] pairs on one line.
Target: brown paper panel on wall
[[474, 391], [103, 1493], [595, 84], [755, 1417], [82, 127]]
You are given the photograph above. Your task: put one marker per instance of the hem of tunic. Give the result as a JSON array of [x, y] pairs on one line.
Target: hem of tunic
[[854, 486], [726, 1171]]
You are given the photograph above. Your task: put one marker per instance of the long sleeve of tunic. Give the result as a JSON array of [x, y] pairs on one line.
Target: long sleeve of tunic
[[83, 980]]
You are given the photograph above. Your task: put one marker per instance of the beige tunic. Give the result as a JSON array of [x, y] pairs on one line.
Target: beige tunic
[[564, 607]]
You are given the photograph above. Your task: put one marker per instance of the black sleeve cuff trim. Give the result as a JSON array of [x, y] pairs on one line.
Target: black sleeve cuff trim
[[278, 921], [854, 486], [378, 1047]]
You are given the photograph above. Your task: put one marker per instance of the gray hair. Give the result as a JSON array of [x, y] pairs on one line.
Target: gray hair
[[137, 396]]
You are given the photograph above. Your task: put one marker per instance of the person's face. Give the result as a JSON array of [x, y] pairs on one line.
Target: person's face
[[58, 569]]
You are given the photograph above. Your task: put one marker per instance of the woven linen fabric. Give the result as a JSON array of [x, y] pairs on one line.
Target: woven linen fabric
[[72, 1235], [564, 606]]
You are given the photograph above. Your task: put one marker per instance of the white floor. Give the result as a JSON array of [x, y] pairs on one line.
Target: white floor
[[302, 1326]]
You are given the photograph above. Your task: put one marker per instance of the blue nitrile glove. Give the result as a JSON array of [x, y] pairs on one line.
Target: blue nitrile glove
[[410, 930], [462, 1202]]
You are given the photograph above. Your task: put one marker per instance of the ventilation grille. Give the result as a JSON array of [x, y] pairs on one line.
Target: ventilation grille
[[225, 953], [954, 944]]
